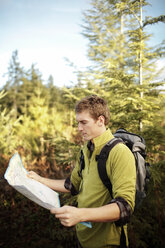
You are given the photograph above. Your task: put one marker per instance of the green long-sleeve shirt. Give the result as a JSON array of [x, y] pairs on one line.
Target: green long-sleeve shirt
[[92, 192]]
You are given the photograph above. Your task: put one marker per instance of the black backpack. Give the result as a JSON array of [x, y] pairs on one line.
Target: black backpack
[[137, 146]]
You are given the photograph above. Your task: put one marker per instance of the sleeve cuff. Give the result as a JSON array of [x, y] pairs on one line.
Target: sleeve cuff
[[125, 211], [69, 186]]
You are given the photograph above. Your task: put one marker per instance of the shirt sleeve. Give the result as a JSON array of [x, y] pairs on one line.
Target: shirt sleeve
[[122, 171]]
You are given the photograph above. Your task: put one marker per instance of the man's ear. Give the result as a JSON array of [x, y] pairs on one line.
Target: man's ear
[[101, 120]]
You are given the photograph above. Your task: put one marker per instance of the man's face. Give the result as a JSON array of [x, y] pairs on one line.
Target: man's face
[[88, 127]]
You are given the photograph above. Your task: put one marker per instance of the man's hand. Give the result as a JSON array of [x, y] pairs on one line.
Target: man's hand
[[57, 185], [68, 215], [34, 176]]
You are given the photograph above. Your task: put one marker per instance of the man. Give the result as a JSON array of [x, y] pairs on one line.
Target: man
[[95, 204]]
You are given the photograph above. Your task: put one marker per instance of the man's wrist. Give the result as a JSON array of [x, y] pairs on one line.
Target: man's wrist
[[86, 214], [82, 214]]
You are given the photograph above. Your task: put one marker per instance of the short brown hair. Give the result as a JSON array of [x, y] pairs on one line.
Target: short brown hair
[[96, 107]]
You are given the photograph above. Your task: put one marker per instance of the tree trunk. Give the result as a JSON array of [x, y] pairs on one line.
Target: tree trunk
[[140, 63]]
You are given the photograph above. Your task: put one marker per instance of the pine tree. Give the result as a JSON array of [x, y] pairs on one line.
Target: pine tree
[[130, 83], [8, 126], [123, 62], [15, 75]]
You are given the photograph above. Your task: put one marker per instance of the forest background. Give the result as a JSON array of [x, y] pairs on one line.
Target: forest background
[[38, 121]]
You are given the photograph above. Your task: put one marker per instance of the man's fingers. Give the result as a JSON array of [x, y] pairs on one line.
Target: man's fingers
[[66, 215], [53, 210], [56, 210], [59, 210], [66, 223], [31, 174], [62, 214]]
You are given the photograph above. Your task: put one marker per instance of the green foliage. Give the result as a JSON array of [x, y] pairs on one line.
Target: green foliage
[[8, 126], [147, 225], [154, 20], [38, 121], [25, 224], [124, 64]]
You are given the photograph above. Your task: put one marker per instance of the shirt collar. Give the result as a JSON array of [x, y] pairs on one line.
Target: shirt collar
[[103, 138]]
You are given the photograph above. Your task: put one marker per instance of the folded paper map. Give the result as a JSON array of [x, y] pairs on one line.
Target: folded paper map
[[16, 175]]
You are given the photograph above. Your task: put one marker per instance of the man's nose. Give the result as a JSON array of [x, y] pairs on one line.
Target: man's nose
[[80, 127]]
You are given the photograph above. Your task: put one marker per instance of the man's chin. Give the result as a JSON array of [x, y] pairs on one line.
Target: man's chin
[[86, 138]]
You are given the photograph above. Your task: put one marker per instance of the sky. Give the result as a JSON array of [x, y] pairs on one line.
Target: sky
[[45, 32]]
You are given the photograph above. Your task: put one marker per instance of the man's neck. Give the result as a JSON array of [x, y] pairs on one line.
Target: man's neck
[[99, 134]]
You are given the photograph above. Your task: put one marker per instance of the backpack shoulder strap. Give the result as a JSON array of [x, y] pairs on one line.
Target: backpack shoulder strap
[[82, 164], [101, 162]]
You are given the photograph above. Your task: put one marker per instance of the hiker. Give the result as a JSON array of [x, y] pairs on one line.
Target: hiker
[[95, 205]]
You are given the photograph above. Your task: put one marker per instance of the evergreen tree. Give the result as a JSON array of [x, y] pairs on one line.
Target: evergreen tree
[[130, 83], [15, 76], [55, 95], [8, 126], [123, 62]]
